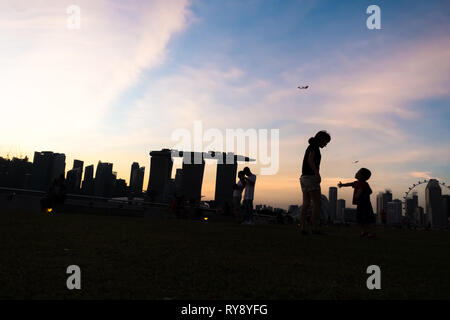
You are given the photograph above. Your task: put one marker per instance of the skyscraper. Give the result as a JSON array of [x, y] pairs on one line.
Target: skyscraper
[[446, 204], [436, 218], [383, 198], [46, 167], [419, 217], [134, 166], [410, 207], [88, 182], [394, 212], [136, 178], [160, 173], [225, 180], [191, 186], [73, 179], [104, 180], [332, 198], [445, 207]]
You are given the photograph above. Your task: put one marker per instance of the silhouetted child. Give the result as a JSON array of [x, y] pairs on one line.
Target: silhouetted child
[[361, 197]]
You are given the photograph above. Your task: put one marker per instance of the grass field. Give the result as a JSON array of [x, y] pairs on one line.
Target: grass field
[[147, 258]]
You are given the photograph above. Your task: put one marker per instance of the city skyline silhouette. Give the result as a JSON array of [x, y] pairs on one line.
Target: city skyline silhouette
[[120, 187], [378, 92], [216, 157]]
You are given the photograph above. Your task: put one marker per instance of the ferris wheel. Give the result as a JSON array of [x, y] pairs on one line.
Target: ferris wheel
[[414, 185]]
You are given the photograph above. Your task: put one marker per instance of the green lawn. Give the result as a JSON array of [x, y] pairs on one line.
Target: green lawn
[[149, 258]]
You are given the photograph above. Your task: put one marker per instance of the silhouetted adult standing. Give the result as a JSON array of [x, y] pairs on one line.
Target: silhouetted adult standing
[[250, 180], [237, 195], [310, 179]]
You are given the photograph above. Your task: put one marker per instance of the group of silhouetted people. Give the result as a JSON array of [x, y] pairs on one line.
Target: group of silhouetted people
[[246, 183], [243, 208], [310, 184]]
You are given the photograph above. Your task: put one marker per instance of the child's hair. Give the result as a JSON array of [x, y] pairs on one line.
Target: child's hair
[[321, 135], [240, 173], [365, 173]]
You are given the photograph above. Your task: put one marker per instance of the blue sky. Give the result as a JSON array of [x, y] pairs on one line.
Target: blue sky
[[119, 87]]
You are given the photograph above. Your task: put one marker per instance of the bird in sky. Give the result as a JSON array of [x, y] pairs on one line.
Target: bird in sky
[[303, 87]]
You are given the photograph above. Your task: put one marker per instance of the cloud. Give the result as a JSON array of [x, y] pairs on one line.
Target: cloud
[[419, 154], [58, 85], [371, 93], [421, 174], [59, 82], [357, 103], [366, 97]]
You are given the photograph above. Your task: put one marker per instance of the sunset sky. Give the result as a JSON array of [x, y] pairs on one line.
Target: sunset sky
[[136, 71]]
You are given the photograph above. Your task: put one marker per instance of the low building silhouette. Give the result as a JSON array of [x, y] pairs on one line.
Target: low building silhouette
[[445, 207], [15, 173], [394, 212], [120, 188], [349, 215], [340, 206], [332, 198]]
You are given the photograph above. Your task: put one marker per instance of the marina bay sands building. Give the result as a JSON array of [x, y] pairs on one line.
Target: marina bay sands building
[[190, 178]]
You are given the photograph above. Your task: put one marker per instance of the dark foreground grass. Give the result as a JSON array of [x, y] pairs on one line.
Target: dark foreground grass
[[146, 258]]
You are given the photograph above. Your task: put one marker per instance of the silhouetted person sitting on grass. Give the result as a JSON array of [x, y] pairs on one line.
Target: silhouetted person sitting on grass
[[194, 211], [176, 206], [59, 189], [310, 180], [56, 194], [361, 197]]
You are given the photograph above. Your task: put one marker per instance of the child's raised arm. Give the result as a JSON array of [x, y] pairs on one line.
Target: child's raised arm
[[340, 184]]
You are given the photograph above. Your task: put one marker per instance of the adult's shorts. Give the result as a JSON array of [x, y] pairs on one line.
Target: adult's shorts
[[309, 183]]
